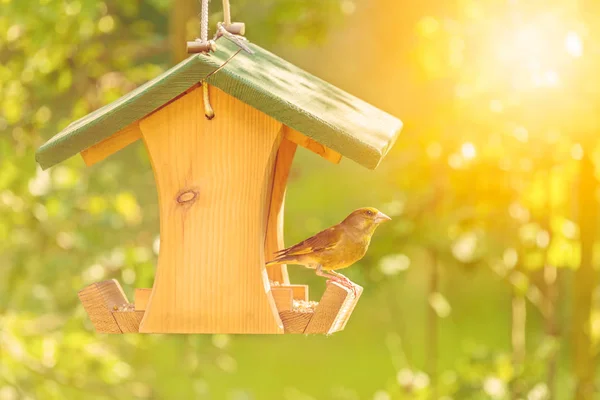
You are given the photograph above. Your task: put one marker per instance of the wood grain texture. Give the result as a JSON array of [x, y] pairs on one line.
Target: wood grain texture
[[141, 297], [295, 322], [305, 103], [347, 310], [99, 300], [312, 145], [299, 292], [128, 321], [112, 144], [334, 309], [274, 238], [211, 276], [283, 297], [130, 108]]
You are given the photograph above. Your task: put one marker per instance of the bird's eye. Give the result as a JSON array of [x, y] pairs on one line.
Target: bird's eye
[[370, 213]]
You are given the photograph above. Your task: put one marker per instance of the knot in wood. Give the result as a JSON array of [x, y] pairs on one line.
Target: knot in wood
[[187, 197]]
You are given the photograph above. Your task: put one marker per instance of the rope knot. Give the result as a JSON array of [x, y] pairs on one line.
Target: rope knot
[[232, 31], [198, 46]]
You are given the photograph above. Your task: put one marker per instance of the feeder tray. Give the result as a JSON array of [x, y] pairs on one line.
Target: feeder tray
[[221, 187], [110, 310]]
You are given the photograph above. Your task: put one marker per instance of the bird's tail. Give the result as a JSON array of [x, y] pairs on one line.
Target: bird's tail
[[272, 263], [281, 259], [276, 261]]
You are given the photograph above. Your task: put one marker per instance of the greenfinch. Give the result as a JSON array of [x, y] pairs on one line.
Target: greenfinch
[[335, 248]]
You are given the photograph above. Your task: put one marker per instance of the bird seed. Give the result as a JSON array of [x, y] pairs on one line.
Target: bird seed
[[303, 306]]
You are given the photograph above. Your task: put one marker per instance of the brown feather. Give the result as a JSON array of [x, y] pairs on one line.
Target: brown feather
[[336, 247], [321, 241]]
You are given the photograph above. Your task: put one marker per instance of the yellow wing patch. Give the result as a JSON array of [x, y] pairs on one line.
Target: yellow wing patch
[[322, 241], [308, 250]]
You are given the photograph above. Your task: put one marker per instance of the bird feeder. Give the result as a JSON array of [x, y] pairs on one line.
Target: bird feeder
[[221, 186]]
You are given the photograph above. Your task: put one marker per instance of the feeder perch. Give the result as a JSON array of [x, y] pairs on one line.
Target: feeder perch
[[221, 187]]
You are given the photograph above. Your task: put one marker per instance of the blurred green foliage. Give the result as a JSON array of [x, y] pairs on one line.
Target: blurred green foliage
[[483, 186]]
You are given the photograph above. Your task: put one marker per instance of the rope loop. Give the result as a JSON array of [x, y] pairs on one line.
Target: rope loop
[[231, 31]]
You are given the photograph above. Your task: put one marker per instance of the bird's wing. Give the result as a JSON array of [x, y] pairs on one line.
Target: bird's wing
[[323, 240]]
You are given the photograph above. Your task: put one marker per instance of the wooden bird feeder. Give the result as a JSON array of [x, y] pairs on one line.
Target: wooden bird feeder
[[221, 186]]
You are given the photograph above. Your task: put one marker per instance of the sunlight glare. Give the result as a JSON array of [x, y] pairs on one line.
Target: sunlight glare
[[468, 151], [527, 38], [348, 7], [455, 161], [510, 257], [542, 239], [520, 133], [551, 78], [577, 151], [428, 26], [434, 150], [573, 44], [527, 53], [496, 106]]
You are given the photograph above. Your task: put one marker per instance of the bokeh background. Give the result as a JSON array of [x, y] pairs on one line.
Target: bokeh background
[[484, 285]]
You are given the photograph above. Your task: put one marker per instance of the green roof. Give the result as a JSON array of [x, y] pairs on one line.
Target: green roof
[[266, 82]]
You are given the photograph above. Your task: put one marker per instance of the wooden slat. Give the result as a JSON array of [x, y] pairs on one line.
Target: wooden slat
[[99, 300], [299, 292], [295, 322], [346, 312], [128, 321], [312, 145], [274, 238], [333, 310], [283, 298], [212, 177], [111, 145], [141, 298]]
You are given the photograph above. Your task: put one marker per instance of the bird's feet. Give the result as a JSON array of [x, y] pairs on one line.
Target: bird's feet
[[335, 277], [345, 282]]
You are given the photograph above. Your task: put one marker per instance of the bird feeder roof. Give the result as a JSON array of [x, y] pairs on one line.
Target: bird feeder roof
[[303, 102]]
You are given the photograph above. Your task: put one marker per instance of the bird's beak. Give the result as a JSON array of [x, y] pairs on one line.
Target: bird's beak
[[381, 217]]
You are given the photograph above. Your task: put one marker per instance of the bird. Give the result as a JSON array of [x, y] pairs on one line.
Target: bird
[[336, 247]]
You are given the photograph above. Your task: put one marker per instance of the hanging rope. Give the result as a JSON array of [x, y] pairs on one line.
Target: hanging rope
[[226, 13], [234, 32], [208, 110], [202, 45], [231, 31], [204, 21]]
